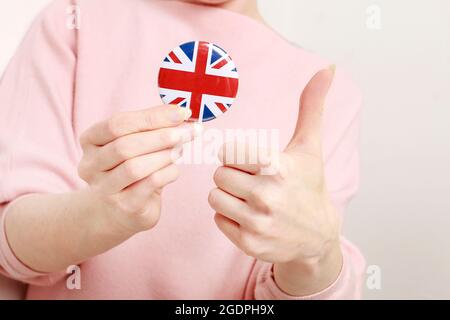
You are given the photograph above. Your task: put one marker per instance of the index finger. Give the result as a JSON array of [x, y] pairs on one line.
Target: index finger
[[245, 157], [125, 123]]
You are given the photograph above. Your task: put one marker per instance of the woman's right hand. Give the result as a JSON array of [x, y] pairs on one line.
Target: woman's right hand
[[128, 160]]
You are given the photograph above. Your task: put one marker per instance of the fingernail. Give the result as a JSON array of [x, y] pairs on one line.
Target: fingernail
[[186, 133], [176, 136], [265, 159], [332, 68], [180, 114], [176, 153], [197, 129], [189, 131], [187, 113]]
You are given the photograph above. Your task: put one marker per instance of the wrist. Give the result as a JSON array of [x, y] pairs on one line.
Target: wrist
[[302, 277], [101, 229]]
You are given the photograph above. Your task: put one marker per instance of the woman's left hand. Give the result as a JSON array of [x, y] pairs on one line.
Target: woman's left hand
[[285, 218]]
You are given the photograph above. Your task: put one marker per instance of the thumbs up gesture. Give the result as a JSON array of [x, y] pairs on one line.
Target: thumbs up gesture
[[287, 218]]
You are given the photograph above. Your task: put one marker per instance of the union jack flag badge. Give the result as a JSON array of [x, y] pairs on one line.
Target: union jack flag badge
[[201, 76]]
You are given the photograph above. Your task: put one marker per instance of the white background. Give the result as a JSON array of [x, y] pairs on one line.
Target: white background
[[401, 217]]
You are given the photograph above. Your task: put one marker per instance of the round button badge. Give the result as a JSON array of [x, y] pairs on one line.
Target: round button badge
[[200, 76]]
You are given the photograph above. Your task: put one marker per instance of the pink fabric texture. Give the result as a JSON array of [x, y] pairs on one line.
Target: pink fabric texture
[[61, 81]]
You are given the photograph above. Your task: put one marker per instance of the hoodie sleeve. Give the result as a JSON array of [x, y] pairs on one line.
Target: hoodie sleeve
[[37, 145]]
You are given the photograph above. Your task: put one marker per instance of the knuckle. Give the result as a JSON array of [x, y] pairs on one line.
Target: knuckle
[[247, 241], [121, 150], [84, 140], [116, 125], [258, 195], [212, 197], [132, 169], [84, 170], [260, 226], [263, 199], [177, 172], [155, 180], [174, 173], [169, 137], [159, 179], [150, 119], [250, 245], [219, 176], [149, 220]]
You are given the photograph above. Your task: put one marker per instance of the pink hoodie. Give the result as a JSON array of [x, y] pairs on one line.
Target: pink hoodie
[[62, 81]]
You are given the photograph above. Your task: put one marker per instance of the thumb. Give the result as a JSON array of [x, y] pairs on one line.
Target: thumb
[[308, 132]]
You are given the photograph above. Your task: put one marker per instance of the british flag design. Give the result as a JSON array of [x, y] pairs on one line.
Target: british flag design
[[201, 76]]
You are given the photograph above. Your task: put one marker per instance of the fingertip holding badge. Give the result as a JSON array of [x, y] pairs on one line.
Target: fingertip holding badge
[[201, 77], [188, 132]]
